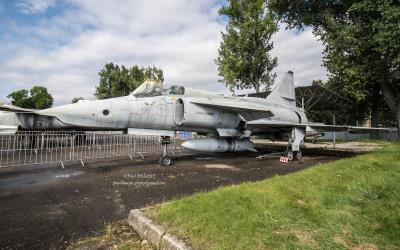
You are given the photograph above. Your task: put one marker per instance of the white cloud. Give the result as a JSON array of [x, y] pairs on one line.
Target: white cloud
[[181, 37], [34, 6], [301, 53]]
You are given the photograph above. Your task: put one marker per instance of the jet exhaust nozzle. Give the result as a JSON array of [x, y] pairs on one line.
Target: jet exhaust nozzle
[[219, 145]]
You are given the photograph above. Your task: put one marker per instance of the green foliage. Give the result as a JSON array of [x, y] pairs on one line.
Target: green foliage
[[385, 116], [77, 99], [244, 59], [352, 203], [37, 98], [362, 46], [116, 81], [21, 98], [41, 98]]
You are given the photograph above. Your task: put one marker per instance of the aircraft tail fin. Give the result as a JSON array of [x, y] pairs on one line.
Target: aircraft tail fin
[[283, 93]]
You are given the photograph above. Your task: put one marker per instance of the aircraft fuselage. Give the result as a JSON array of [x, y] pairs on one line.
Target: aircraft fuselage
[[159, 112]]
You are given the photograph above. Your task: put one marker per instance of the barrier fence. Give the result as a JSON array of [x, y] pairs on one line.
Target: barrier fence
[[28, 148], [346, 136]]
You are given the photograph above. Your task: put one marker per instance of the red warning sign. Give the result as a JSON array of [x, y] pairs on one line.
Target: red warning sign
[[284, 159]]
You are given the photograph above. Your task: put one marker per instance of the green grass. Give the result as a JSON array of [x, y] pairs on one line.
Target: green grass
[[350, 203]]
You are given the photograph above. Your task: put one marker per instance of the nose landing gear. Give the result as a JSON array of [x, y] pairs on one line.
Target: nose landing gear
[[164, 159]]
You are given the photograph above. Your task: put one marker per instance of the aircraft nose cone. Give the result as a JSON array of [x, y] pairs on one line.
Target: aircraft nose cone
[[82, 114]]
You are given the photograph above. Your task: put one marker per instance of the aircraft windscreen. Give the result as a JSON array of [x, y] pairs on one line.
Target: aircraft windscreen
[[149, 92], [151, 89], [176, 90]]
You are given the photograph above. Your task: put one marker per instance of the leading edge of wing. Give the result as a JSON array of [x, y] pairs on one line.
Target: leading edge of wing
[[317, 127], [284, 124], [266, 123], [230, 105], [351, 129]]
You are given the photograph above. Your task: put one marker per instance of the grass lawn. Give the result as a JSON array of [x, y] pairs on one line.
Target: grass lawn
[[352, 203]]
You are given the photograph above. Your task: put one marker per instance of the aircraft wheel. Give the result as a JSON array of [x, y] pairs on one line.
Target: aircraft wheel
[[289, 155], [299, 155], [164, 161]]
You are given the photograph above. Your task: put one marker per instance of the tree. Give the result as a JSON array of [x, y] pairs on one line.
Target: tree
[[21, 98], [77, 99], [244, 59], [118, 81], [37, 98], [41, 98], [362, 46]]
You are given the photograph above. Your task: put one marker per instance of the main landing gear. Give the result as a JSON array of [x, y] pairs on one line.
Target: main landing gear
[[164, 159], [293, 155], [293, 151]]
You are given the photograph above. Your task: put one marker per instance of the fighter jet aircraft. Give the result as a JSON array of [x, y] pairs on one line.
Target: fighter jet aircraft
[[153, 109]]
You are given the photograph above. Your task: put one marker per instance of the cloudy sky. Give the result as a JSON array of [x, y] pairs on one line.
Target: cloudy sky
[[62, 44]]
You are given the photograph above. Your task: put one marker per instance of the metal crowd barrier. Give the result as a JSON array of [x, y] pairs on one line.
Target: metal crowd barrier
[[346, 136], [28, 148]]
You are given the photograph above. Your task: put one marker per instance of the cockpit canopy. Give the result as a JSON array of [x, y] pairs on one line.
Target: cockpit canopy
[[154, 88]]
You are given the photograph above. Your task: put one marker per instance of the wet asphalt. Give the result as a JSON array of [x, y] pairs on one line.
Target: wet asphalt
[[45, 206]]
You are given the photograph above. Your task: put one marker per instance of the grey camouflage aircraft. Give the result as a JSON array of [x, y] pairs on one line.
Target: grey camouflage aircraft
[[154, 109]]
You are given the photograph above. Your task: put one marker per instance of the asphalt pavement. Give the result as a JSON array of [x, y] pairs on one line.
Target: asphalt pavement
[[45, 206]]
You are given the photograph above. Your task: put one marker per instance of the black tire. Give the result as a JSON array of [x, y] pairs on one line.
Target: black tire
[[298, 155], [289, 155], [164, 161]]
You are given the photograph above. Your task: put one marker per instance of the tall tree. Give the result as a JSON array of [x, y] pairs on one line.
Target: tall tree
[[41, 98], [244, 59], [362, 46], [21, 98], [37, 98], [118, 80]]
